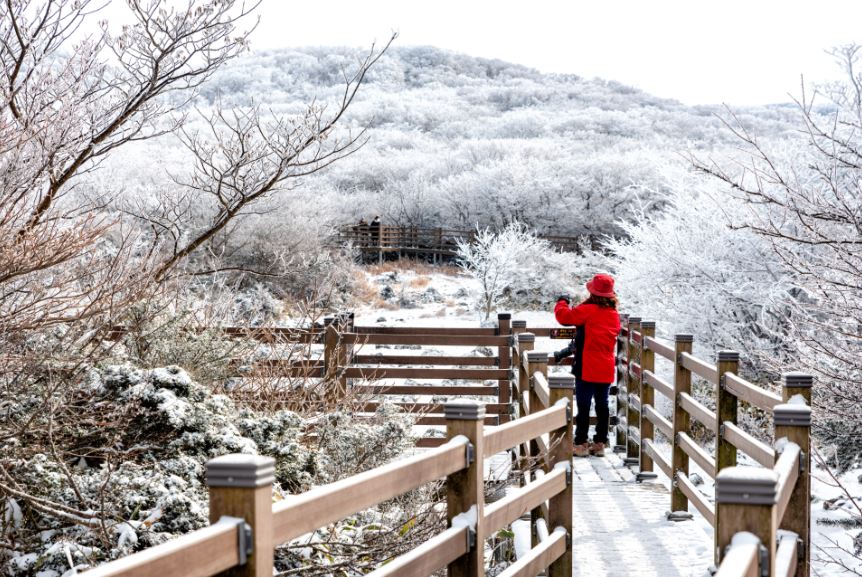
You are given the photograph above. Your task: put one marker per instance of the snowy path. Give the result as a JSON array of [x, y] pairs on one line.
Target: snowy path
[[620, 527]]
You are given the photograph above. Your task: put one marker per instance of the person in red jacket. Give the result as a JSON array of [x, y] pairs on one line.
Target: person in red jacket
[[598, 325]]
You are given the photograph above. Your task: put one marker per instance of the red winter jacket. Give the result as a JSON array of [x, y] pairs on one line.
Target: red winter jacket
[[595, 360]]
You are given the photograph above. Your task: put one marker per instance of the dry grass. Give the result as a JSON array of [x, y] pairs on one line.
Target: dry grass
[[417, 266], [367, 293], [419, 282]]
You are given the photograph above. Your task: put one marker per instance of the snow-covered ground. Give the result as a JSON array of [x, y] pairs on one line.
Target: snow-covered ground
[[432, 299]]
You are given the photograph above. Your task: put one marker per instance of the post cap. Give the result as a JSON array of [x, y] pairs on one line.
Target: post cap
[[464, 411], [624, 316], [634, 320], [526, 338], [561, 381], [746, 486], [684, 338], [504, 316], [240, 470], [537, 356], [792, 414], [519, 324], [647, 324], [799, 380], [728, 356]]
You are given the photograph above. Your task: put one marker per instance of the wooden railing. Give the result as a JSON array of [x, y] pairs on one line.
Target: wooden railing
[[349, 362], [246, 526], [374, 242], [752, 503]]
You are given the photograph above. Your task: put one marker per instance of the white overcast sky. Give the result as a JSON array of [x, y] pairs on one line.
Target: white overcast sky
[[700, 52]]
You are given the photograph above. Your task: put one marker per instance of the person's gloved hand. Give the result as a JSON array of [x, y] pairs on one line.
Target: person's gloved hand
[[566, 298]]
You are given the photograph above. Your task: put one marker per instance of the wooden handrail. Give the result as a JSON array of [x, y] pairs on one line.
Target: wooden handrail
[[696, 498], [511, 507], [201, 553], [696, 453], [658, 384], [539, 557], [649, 447], [521, 430], [787, 556], [421, 373], [751, 393], [540, 387], [787, 468], [699, 367], [741, 561], [660, 348], [424, 360], [424, 339], [663, 425], [300, 514], [433, 554], [698, 412], [748, 444], [478, 390], [459, 331]]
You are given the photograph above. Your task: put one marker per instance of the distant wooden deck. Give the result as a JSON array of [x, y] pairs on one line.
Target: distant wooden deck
[[377, 243]]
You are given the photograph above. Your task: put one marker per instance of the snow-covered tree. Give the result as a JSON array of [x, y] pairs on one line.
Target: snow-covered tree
[[807, 205], [517, 268]]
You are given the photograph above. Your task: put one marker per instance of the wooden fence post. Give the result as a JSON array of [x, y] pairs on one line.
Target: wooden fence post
[[726, 412], [745, 500], [335, 360], [632, 416], [241, 486], [465, 495], [504, 329], [518, 327], [621, 358], [330, 359], [526, 342], [681, 421], [560, 507], [792, 421], [537, 362], [647, 398]]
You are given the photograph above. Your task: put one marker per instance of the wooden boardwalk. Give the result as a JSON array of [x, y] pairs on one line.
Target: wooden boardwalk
[[620, 528]]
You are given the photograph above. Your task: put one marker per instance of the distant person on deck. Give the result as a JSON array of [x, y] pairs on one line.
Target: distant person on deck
[[598, 325], [375, 231]]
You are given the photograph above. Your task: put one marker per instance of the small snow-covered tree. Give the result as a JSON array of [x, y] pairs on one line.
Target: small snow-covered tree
[[516, 267]]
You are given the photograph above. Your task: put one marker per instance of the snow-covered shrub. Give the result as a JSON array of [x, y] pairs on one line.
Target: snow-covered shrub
[[692, 272], [516, 268], [141, 440], [349, 445]]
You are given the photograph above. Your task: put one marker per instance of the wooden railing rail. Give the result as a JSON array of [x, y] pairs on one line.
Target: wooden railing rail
[[406, 240], [247, 526], [205, 552], [784, 479]]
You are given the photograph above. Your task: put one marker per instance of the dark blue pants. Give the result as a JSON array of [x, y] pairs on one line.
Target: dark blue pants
[[585, 392]]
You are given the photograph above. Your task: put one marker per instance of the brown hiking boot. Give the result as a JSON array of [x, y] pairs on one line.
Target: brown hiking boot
[[582, 450], [597, 449]]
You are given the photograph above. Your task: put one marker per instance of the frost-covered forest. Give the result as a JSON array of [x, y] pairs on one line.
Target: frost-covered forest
[[161, 178]]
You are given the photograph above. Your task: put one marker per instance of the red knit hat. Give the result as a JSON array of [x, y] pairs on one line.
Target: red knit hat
[[602, 285]]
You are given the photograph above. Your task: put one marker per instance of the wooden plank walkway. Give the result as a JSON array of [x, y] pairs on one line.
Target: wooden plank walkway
[[620, 528]]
